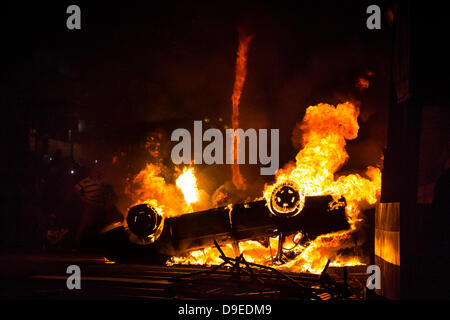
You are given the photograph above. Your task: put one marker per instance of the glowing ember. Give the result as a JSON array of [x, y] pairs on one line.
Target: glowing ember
[[362, 83], [206, 256]]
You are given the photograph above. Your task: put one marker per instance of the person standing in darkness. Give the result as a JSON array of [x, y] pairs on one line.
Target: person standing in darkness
[[91, 192]]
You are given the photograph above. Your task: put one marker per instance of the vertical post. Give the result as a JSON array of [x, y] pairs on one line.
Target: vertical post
[[280, 247]]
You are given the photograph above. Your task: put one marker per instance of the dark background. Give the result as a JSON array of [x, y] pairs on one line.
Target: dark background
[[150, 62]]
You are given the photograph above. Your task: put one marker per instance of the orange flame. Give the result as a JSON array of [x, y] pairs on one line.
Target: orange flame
[[187, 183], [325, 131], [362, 83], [149, 185], [241, 73]]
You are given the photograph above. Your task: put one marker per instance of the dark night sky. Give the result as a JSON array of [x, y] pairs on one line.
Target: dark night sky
[[174, 63]]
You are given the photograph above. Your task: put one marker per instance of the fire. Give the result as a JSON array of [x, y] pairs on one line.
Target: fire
[[326, 129], [187, 183], [171, 199], [241, 73], [362, 83], [206, 256], [149, 185]]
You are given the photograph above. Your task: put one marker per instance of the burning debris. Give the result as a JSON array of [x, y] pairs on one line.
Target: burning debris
[[326, 129], [264, 281], [363, 82], [304, 219]]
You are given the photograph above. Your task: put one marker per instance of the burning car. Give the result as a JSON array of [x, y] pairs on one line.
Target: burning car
[[147, 234]]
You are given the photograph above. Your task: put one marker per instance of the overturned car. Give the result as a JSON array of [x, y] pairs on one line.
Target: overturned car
[[146, 235]]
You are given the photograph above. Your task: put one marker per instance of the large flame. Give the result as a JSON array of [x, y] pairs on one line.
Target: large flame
[[325, 131], [171, 199]]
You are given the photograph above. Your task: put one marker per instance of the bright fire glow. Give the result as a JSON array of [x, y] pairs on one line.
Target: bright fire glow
[[173, 200], [187, 183], [325, 131], [326, 128]]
